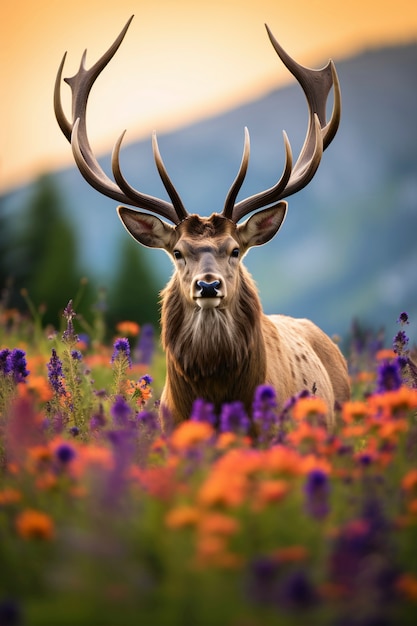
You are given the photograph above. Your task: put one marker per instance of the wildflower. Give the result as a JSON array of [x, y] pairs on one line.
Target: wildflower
[[76, 355], [400, 342], [264, 407], [4, 361], [128, 328], [354, 411], [297, 591], [403, 318], [407, 586], [317, 491], [388, 376], [270, 491], [65, 453], [18, 365], [146, 345], [203, 411], [32, 524], [121, 351], [191, 433], [120, 411], [69, 336], [182, 516], [233, 418], [8, 495], [55, 373], [309, 407], [216, 523]]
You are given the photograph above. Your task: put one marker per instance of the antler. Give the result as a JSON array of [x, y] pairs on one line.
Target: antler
[[76, 133], [316, 85]]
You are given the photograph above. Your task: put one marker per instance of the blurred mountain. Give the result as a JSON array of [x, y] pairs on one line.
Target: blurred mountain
[[348, 246]]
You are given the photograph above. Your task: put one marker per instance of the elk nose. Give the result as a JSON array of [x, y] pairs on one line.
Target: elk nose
[[208, 290]]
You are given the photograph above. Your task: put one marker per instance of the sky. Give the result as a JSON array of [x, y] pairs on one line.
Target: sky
[[180, 61]]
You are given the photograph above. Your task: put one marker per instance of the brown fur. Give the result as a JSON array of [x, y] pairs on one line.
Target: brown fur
[[223, 352]]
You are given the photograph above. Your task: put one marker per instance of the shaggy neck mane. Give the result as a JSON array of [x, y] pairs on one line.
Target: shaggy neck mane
[[215, 343]]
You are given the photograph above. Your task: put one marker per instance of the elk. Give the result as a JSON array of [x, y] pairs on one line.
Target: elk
[[219, 344]]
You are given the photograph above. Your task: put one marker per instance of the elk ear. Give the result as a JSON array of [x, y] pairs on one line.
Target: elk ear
[[145, 228], [262, 226]]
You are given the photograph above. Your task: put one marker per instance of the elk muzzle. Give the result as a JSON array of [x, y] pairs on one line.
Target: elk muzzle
[[207, 293]]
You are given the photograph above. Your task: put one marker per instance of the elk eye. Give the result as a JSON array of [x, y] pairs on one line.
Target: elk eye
[[235, 253], [177, 255]]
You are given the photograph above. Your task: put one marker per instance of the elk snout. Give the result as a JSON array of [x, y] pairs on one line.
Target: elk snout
[[208, 291]]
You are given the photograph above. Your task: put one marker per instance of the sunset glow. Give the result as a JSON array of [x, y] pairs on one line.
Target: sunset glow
[[180, 61]]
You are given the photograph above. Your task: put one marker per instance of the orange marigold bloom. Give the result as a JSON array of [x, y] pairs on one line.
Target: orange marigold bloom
[[409, 481], [354, 411], [308, 407], [407, 585], [218, 524], [385, 354], [282, 460], [291, 554], [9, 496], [307, 432], [32, 524], [182, 516], [398, 401], [191, 433], [221, 489], [311, 462], [270, 491], [128, 328]]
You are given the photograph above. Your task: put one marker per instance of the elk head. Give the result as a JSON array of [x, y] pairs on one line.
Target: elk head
[[206, 251]]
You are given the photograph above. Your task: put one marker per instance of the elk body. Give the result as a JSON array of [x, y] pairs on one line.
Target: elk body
[[219, 344]]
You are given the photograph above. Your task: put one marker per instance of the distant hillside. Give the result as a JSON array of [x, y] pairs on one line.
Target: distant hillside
[[348, 247]]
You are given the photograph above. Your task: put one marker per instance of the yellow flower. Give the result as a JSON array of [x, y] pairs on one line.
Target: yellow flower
[[32, 524]]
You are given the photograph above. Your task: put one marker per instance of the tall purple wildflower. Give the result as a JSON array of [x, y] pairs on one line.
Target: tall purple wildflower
[[121, 349], [13, 363], [203, 411], [55, 373], [389, 376], [316, 491], [233, 418], [264, 407], [120, 411], [69, 334]]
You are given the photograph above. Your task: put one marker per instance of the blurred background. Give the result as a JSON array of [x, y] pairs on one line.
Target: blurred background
[[198, 73]]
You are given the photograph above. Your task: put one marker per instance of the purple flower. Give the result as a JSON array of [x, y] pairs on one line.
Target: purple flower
[[203, 411], [403, 318], [233, 418], [297, 591], [120, 411], [17, 364], [65, 453], [316, 490], [264, 406], [147, 419], [69, 334], [4, 361], [76, 355], [98, 420], [388, 376], [400, 342], [55, 373], [121, 349], [146, 345]]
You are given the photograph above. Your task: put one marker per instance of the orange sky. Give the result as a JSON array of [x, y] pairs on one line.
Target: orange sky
[[181, 60]]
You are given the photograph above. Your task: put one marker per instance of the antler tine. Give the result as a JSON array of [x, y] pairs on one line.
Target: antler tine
[[172, 192], [76, 132], [316, 85], [237, 183]]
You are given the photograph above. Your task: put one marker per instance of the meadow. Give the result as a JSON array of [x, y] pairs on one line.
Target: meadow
[[107, 520]]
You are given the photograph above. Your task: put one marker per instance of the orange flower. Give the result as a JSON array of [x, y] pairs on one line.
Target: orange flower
[[309, 407], [218, 524], [409, 481], [385, 354], [354, 411], [221, 489], [396, 402], [291, 554], [32, 524], [281, 460], [306, 433], [270, 491], [212, 550], [9, 496], [128, 328], [182, 516], [191, 433], [407, 586]]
